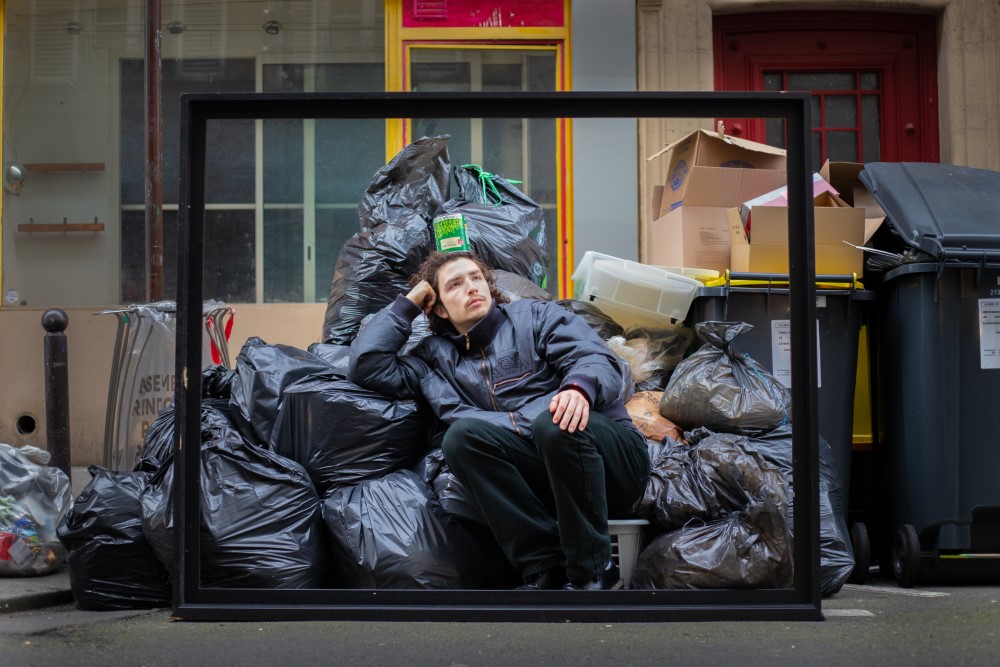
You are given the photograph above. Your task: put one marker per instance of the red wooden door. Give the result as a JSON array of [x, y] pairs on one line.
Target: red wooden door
[[873, 78]]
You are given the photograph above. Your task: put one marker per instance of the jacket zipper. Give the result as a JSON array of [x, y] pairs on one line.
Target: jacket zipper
[[486, 376], [503, 382]]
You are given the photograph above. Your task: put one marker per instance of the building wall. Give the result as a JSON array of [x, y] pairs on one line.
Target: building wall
[[675, 53]]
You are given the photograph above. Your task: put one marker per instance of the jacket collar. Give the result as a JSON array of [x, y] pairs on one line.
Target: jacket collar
[[482, 332]]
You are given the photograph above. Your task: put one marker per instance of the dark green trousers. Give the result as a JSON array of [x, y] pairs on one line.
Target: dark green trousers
[[547, 498]]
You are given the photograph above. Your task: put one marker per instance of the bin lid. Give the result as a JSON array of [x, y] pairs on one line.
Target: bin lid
[[947, 211]]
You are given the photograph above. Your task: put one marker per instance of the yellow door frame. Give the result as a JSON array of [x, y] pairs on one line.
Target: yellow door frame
[[400, 40]]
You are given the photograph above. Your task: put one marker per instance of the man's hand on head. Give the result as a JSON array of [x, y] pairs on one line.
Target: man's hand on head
[[422, 296], [570, 409]]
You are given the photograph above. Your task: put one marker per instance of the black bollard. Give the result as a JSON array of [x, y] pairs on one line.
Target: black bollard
[[57, 389]]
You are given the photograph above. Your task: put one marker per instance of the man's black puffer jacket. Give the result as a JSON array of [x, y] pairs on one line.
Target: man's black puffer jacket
[[505, 370]]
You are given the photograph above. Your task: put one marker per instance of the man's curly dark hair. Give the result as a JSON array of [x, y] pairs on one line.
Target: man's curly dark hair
[[429, 270]]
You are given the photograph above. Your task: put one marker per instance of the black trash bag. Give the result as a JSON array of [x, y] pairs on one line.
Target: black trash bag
[[836, 554], [503, 225], [723, 390], [676, 490], [396, 214], [747, 549], [111, 565], [392, 533], [344, 434], [373, 267], [414, 182], [217, 382], [263, 373], [158, 443], [338, 356], [603, 326], [454, 497], [261, 520], [516, 287], [706, 478]]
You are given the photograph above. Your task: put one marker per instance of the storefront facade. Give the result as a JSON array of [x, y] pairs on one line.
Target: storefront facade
[[75, 132]]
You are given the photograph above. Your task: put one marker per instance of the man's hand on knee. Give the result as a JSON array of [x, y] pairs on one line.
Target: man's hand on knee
[[570, 409]]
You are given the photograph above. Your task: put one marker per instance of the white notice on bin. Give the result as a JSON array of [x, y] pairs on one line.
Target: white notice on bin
[[781, 353], [989, 333]]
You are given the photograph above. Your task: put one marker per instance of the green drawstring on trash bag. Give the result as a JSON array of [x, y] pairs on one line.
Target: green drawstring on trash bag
[[490, 192]]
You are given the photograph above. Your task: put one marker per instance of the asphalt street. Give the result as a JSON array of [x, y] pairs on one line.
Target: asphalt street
[[875, 624]]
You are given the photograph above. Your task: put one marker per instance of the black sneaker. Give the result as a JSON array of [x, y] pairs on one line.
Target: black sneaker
[[608, 580], [546, 580]]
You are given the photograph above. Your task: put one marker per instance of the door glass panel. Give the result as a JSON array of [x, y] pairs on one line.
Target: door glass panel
[[833, 114], [821, 81], [842, 146], [517, 148], [870, 130], [840, 111]]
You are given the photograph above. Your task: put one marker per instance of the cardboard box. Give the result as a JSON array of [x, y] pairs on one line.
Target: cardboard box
[[779, 197], [844, 177], [696, 235], [766, 249], [704, 148]]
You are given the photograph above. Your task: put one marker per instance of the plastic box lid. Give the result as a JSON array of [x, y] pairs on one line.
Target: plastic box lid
[[642, 289], [947, 211]]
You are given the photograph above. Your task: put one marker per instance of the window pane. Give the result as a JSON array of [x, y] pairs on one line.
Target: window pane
[[817, 117], [821, 81], [775, 129], [841, 111], [870, 128], [229, 256], [772, 82], [817, 147], [283, 255], [869, 81], [133, 256], [334, 225], [842, 146]]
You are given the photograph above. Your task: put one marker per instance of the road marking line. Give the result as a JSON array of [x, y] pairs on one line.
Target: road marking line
[[897, 591], [846, 612]]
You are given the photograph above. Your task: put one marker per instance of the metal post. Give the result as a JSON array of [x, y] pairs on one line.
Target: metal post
[[57, 388], [154, 153]]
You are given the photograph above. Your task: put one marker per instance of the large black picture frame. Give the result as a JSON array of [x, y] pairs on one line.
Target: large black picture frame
[[193, 602]]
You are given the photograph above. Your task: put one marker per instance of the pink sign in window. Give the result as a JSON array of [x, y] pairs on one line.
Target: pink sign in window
[[483, 14]]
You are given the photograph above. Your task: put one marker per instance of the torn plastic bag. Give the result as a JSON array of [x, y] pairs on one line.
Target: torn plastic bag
[[33, 499], [392, 533], [723, 390], [836, 554], [396, 214], [503, 225], [516, 287], [747, 549], [261, 521], [344, 434], [111, 565], [454, 497], [414, 182], [657, 352], [263, 373]]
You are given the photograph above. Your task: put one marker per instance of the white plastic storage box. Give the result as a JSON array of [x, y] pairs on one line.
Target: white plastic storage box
[[626, 543], [634, 293]]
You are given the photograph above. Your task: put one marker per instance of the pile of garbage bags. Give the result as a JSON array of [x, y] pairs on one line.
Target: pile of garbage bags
[[310, 481]]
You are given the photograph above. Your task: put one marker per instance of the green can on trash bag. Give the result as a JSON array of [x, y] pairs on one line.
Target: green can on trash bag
[[450, 233]]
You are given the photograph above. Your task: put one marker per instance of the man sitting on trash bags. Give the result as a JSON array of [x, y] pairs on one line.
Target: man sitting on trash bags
[[537, 430]]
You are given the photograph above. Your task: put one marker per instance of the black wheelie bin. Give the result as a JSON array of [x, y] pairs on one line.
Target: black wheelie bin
[[939, 370]]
